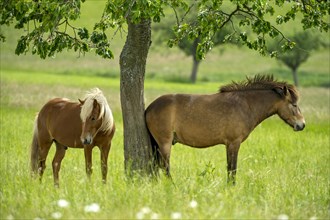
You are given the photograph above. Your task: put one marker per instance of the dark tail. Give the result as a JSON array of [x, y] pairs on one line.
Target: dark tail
[[34, 150], [157, 157]]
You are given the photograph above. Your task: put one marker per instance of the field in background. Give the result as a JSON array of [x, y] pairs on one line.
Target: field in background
[[281, 172], [222, 64]]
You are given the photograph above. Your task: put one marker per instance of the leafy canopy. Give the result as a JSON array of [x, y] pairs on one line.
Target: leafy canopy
[[306, 42], [50, 30]]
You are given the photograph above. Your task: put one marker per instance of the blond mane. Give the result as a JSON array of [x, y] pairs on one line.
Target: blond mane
[[105, 111]]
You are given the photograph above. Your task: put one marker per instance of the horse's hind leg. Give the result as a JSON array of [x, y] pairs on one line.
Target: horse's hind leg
[[104, 162], [59, 155], [45, 145], [165, 151]]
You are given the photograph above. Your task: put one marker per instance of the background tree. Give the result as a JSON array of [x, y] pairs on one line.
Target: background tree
[[306, 42], [49, 30], [188, 46]]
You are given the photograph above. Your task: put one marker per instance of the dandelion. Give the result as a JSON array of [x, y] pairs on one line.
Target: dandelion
[[193, 204], [176, 215], [94, 207], [283, 217], [140, 215], [10, 217], [63, 203], [154, 216], [146, 210], [56, 215]]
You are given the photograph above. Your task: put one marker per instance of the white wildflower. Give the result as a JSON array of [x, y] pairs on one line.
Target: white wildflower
[[154, 216], [193, 204], [63, 203], [10, 217], [145, 210], [140, 215], [283, 217], [56, 215], [176, 215], [94, 207]]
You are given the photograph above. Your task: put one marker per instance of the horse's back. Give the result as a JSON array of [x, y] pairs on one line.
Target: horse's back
[[61, 119]]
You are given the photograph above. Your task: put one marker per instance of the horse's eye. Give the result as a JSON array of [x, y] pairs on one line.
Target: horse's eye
[[294, 105], [93, 119]]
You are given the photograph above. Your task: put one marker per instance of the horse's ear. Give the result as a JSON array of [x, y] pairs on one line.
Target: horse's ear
[[81, 101], [281, 91], [285, 90]]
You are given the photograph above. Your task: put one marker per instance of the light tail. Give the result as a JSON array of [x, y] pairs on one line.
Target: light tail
[[34, 150]]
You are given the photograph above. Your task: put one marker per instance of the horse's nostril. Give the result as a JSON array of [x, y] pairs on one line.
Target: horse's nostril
[[87, 141], [299, 127], [303, 126]]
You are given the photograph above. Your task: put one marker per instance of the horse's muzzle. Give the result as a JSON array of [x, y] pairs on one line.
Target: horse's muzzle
[[299, 126], [87, 140]]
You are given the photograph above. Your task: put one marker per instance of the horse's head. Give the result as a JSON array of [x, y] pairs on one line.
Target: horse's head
[[91, 117], [288, 108]]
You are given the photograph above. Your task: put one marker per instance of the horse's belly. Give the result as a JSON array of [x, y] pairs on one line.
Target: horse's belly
[[198, 138], [69, 139]]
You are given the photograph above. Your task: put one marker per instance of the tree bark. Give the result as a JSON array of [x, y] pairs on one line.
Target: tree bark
[[137, 146]]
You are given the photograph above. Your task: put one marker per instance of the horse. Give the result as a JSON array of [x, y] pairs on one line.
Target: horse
[[84, 124], [226, 117]]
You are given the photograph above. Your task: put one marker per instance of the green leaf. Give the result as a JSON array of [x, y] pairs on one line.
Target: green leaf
[[83, 33]]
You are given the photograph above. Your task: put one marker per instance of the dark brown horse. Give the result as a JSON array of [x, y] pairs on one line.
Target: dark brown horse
[[84, 124], [227, 117]]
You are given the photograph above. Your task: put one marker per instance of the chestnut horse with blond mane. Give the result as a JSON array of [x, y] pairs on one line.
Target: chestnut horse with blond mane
[[84, 124], [227, 117]]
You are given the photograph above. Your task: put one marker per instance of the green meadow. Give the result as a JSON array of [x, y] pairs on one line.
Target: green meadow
[[281, 174]]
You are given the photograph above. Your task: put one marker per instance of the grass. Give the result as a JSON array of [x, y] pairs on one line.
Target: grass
[[280, 172]]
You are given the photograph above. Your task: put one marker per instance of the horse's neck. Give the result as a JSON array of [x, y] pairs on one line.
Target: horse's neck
[[262, 104]]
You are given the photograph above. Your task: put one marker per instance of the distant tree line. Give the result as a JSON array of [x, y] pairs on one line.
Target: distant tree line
[[304, 43]]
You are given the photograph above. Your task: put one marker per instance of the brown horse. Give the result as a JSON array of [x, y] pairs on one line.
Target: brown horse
[[84, 124], [227, 117]]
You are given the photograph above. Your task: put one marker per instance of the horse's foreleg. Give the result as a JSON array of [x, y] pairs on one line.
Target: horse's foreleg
[[88, 160], [232, 152], [59, 155], [104, 162]]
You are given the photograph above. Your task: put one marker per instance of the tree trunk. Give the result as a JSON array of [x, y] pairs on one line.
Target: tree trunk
[[295, 77], [137, 146], [193, 75], [196, 61]]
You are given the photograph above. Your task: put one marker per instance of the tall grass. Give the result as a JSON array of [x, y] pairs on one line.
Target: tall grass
[[281, 173]]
